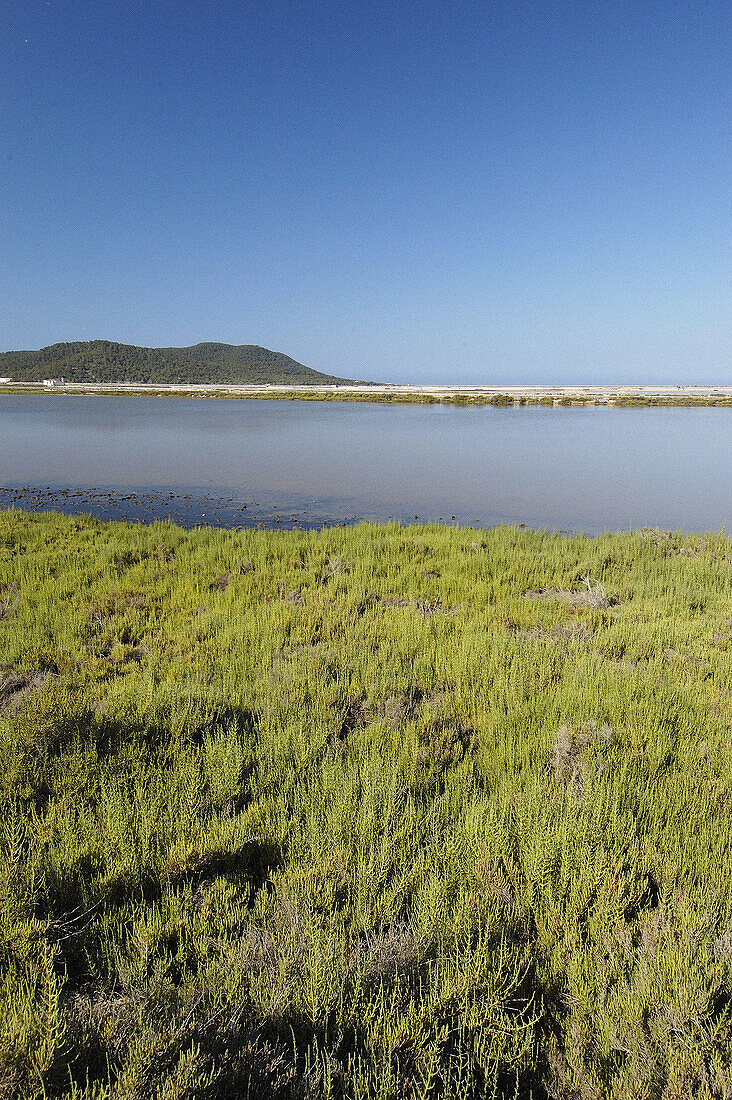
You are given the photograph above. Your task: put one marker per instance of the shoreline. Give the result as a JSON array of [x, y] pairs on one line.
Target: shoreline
[[502, 396], [196, 510]]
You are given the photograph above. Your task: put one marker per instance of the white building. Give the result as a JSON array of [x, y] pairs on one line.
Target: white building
[[51, 382], [3, 381]]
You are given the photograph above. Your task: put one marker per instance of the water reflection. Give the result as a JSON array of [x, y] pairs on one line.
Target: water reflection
[[580, 469]]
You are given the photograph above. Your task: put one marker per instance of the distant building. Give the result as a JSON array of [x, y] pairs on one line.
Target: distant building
[[51, 382], [3, 381]]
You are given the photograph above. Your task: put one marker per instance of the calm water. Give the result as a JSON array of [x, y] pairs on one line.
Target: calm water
[[242, 462]]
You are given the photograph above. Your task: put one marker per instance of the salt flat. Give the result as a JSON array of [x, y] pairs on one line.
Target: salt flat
[[596, 394]]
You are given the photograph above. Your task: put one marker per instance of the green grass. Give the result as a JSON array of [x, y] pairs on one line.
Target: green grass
[[379, 812]]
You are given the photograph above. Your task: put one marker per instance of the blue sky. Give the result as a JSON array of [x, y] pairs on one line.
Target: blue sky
[[456, 191]]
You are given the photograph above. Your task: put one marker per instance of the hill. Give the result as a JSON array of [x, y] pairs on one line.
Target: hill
[[104, 361]]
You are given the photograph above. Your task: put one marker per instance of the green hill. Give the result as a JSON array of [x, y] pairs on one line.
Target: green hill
[[104, 361]]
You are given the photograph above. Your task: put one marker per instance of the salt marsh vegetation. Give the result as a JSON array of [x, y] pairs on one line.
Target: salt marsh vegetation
[[371, 812]]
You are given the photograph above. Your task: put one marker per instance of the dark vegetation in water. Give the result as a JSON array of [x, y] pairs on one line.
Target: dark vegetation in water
[[376, 812], [104, 361], [185, 508]]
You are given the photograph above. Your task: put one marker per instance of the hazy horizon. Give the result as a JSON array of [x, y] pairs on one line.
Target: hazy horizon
[[415, 381]]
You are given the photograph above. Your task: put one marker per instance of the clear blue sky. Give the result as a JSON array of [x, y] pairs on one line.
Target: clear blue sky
[[454, 191]]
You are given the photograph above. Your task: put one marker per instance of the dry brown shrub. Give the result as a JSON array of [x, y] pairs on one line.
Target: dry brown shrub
[[356, 716], [393, 601], [577, 750], [335, 567], [427, 608], [723, 945], [9, 601], [592, 595], [390, 709], [15, 685], [393, 953]]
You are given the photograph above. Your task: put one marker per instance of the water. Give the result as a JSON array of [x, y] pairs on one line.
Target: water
[[311, 462]]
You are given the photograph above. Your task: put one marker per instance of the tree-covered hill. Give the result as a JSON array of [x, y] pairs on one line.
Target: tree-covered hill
[[104, 361]]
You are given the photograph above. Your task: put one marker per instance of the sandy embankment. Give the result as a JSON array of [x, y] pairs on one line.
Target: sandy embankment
[[597, 394]]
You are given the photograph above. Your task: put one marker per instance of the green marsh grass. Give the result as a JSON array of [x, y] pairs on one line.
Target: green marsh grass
[[364, 813]]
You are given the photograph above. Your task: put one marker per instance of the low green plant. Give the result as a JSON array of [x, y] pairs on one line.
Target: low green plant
[[364, 813]]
